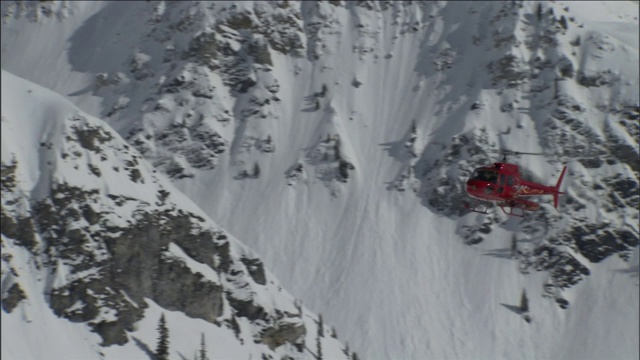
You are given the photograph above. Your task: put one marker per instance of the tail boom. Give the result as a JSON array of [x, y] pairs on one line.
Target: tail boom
[[533, 189]]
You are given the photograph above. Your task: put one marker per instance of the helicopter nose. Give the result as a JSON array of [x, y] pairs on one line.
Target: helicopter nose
[[471, 187]]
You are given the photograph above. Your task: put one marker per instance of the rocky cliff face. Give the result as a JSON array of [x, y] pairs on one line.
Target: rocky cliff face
[[106, 234], [535, 54]]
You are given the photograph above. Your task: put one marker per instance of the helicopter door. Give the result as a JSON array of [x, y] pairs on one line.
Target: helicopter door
[[501, 184]]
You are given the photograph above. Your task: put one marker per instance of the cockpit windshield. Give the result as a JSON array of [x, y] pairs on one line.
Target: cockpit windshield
[[485, 175]]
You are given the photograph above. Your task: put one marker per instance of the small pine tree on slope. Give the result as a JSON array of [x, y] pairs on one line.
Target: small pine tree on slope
[[162, 350], [203, 349], [524, 302]]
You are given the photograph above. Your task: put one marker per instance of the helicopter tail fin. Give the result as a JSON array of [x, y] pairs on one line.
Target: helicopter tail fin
[[557, 188]]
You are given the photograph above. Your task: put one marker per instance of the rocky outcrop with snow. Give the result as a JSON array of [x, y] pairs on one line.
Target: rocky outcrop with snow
[[537, 58], [106, 233]]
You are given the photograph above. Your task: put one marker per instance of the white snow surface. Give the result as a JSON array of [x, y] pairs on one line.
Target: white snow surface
[[394, 278]]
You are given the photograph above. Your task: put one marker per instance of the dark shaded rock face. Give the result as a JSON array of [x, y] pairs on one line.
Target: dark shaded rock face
[[596, 243], [603, 159], [132, 259], [109, 253], [103, 254], [247, 308], [565, 270], [109, 267], [283, 333], [174, 279], [13, 296], [439, 191], [256, 270]]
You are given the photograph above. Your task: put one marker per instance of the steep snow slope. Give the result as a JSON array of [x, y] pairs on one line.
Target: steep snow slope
[[96, 246], [364, 120]]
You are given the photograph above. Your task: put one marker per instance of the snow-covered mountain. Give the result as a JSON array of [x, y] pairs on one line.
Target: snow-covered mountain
[[334, 138], [91, 234]]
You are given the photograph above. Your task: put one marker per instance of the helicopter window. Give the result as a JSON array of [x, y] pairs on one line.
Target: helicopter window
[[502, 179], [486, 175], [510, 180]]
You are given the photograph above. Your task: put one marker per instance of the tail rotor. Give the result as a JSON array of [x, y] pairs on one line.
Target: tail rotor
[[557, 188]]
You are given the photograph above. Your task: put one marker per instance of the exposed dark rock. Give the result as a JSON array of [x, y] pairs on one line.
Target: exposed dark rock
[[474, 240], [247, 308], [603, 78], [8, 175], [597, 242], [343, 170], [508, 69], [222, 251], [294, 173], [74, 301], [112, 332], [21, 229], [259, 50], [204, 47], [565, 270], [91, 138], [626, 188], [240, 21], [281, 334], [591, 163], [13, 296], [563, 303], [132, 259], [173, 279], [135, 175], [256, 270]]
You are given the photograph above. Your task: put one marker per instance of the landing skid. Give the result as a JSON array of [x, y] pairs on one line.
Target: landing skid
[[511, 213], [478, 208], [475, 208]]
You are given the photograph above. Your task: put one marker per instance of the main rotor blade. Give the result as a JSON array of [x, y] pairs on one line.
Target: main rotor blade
[[511, 152]]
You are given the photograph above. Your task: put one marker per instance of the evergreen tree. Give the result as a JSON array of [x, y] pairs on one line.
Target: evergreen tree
[[324, 90], [514, 247], [298, 304], [235, 326], [343, 170], [524, 302], [539, 12], [319, 347], [256, 170], [162, 349], [336, 150], [203, 349], [320, 326], [563, 22]]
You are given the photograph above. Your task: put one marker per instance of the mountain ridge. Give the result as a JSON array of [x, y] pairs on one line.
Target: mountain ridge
[[100, 250]]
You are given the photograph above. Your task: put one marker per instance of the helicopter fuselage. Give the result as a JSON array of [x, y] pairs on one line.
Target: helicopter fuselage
[[502, 183]]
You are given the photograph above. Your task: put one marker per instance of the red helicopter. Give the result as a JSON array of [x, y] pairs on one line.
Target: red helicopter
[[502, 183]]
